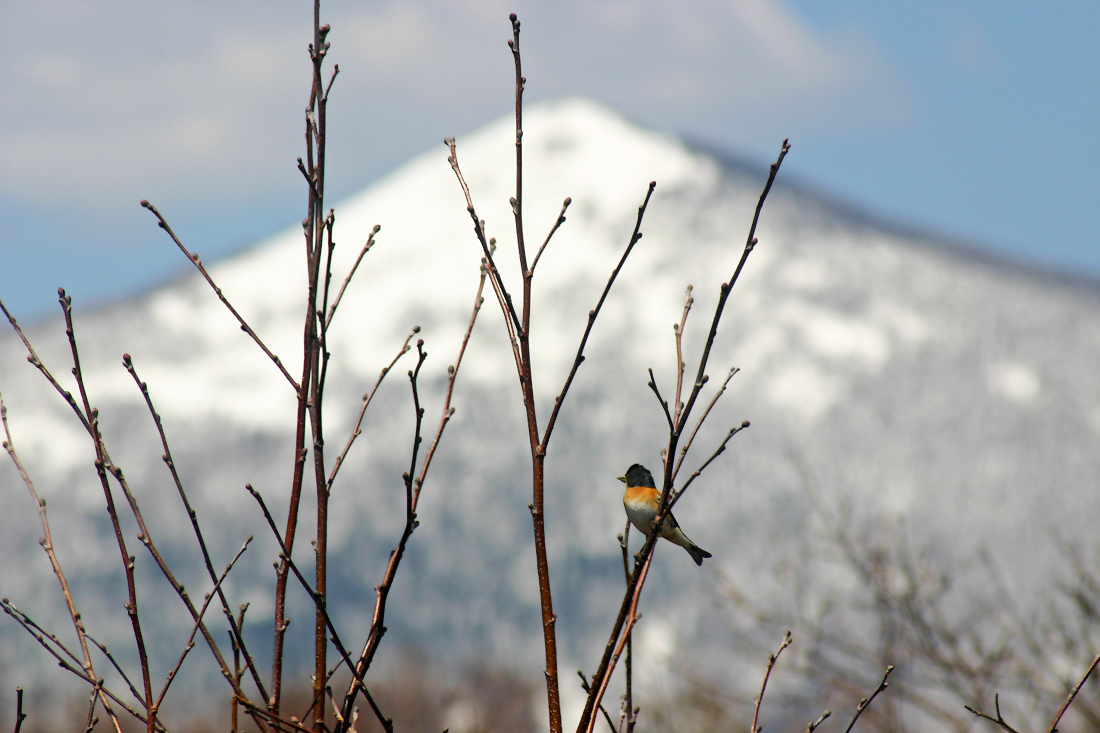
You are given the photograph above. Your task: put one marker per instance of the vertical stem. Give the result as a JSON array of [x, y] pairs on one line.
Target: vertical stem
[[538, 454]]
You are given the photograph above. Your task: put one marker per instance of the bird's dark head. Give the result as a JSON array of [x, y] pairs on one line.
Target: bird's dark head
[[638, 475]]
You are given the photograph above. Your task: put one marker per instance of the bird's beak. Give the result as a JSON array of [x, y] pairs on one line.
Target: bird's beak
[[623, 479]]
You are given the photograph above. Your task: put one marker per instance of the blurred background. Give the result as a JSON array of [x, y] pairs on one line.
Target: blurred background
[[974, 120], [911, 407]]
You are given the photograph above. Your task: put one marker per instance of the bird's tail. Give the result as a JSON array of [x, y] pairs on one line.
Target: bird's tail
[[697, 553]]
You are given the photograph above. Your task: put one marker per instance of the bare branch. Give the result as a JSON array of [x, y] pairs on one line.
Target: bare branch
[[675, 497], [235, 630], [1072, 694], [634, 237], [351, 273], [678, 331], [662, 400], [699, 423], [505, 299], [727, 287], [557, 223], [163, 223], [767, 673], [814, 725], [866, 702], [587, 688], [198, 623], [367, 398], [20, 716], [101, 463]]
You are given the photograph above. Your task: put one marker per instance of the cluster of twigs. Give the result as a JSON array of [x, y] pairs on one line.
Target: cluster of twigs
[[517, 325], [262, 699], [863, 704]]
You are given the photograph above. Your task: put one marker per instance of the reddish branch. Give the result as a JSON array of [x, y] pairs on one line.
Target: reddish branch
[[101, 463], [759, 699], [518, 328], [412, 500], [163, 224], [643, 559], [234, 627]]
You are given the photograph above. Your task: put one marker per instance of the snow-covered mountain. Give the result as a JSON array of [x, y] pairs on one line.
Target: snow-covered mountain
[[949, 394]]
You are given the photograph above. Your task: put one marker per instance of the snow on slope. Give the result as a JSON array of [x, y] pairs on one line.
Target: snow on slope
[[955, 396]]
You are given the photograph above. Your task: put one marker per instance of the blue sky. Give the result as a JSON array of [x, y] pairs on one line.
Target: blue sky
[[975, 120]]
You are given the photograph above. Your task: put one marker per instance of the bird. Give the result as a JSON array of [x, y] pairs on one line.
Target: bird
[[641, 501]]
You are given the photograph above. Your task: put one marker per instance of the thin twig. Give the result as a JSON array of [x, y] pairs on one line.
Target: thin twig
[[101, 463], [644, 557], [678, 332], [557, 223], [699, 423], [40, 636], [367, 398], [587, 688], [382, 590], [510, 317], [814, 725], [866, 702], [631, 621], [118, 668], [726, 288], [317, 599], [764, 685], [662, 400], [354, 267], [47, 544], [235, 630], [20, 716], [1072, 694], [198, 622], [697, 472], [634, 237], [163, 223]]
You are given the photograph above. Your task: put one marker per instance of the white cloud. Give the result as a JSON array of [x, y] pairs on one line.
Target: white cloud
[[198, 102]]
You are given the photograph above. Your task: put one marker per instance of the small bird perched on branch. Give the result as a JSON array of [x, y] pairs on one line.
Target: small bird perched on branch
[[641, 501]]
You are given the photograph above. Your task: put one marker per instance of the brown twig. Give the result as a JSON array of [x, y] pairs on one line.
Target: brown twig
[[678, 331], [588, 688], [41, 637], [367, 398], [662, 400], [395, 558], [557, 223], [101, 463], [644, 557], [316, 597], [47, 544], [675, 497], [632, 619], [235, 630], [20, 716], [759, 699], [629, 711], [347, 280], [378, 628], [118, 668], [511, 319], [866, 702], [1072, 694], [635, 236], [814, 725], [198, 623], [999, 720], [163, 224], [699, 423]]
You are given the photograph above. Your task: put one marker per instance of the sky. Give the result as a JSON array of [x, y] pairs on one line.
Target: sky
[[976, 121]]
